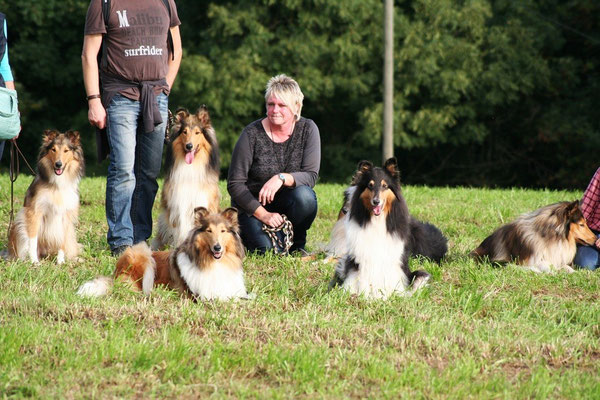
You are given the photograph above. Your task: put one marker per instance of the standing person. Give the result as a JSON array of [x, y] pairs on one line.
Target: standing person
[[137, 71], [274, 166], [6, 77], [588, 257]]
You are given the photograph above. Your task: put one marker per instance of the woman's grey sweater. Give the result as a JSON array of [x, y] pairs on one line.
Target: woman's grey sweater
[[256, 158]]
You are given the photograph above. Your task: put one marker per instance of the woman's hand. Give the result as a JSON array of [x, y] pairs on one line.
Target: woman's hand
[[268, 218], [598, 243], [269, 189]]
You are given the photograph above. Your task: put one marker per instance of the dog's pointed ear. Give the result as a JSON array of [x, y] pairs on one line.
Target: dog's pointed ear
[[200, 214], [362, 167], [391, 166], [231, 215], [180, 115], [74, 137], [573, 208], [203, 115], [49, 135]]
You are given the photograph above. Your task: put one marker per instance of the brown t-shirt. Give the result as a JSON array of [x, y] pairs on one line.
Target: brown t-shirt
[[136, 41]]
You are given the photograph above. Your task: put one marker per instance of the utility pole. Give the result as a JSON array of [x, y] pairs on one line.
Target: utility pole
[[388, 82]]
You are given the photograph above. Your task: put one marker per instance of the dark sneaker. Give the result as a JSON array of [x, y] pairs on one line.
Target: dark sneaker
[[117, 251]]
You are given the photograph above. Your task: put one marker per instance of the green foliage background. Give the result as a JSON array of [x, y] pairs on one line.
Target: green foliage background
[[487, 93]]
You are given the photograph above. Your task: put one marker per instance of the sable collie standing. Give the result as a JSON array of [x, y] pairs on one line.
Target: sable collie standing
[[192, 177], [46, 224], [380, 235], [544, 240], [206, 266]]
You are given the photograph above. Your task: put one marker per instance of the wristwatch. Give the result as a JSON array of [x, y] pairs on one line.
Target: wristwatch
[[282, 177]]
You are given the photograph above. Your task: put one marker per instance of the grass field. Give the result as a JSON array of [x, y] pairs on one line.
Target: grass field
[[475, 332]]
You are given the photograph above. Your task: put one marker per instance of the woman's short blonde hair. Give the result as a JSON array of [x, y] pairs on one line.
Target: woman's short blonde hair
[[287, 90]]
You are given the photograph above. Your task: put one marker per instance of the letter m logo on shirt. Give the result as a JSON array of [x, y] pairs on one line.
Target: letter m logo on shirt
[[123, 23]]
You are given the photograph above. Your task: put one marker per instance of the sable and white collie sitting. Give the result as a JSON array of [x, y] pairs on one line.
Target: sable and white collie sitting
[[380, 234], [544, 240], [206, 266], [192, 177], [45, 225]]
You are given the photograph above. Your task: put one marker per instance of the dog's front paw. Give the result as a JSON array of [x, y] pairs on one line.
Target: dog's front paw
[[568, 269], [421, 279], [60, 257]]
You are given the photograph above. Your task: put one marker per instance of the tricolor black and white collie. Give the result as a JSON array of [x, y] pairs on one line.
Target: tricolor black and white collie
[[544, 240], [192, 177], [380, 235], [206, 266], [45, 226]]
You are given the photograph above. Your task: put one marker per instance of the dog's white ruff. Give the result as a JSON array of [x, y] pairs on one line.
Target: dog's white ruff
[[378, 255], [186, 195], [217, 282]]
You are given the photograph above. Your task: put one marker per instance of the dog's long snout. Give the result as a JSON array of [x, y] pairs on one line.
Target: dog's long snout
[[58, 164], [376, 201], [217, 247], [189, 146]]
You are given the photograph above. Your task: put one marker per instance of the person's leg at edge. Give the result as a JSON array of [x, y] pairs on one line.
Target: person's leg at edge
[[255, 240], [587, 257], [122, 116], [148, 159], [299, 204]]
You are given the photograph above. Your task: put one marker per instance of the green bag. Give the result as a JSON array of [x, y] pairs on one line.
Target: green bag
[[10, 121]]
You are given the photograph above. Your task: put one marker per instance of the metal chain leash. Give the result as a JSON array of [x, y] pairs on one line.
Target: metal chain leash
[[288, 234], [170, 123]]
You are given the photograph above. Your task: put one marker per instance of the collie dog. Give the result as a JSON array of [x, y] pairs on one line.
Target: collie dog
[[206, 266], [544, 240], [427, 240], [192, 177], [46, 224], [380, 234]]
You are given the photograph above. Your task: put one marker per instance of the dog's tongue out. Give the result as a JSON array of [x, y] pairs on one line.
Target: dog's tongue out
[[58, 171], [377, 209], [189, 157]]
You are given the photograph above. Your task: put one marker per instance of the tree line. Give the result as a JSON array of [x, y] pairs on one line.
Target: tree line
[[487, 93]]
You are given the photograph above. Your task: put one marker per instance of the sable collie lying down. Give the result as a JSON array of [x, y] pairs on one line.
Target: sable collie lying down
[[206, 266], [45, 225], [380, 234], [543, 240], [192, 177]]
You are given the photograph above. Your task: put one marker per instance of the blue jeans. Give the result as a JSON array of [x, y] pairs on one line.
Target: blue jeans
[[587, 257], [299, 205], [135, 159]]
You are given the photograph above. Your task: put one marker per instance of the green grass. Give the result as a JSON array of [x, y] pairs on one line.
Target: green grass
[[475, 332]]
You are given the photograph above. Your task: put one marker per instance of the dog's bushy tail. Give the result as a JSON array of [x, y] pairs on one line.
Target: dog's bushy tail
[[136, 267], [100, 286], [427, 241], [485, 251]]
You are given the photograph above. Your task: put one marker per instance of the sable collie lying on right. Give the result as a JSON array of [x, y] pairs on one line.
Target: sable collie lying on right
[[543, 240]]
